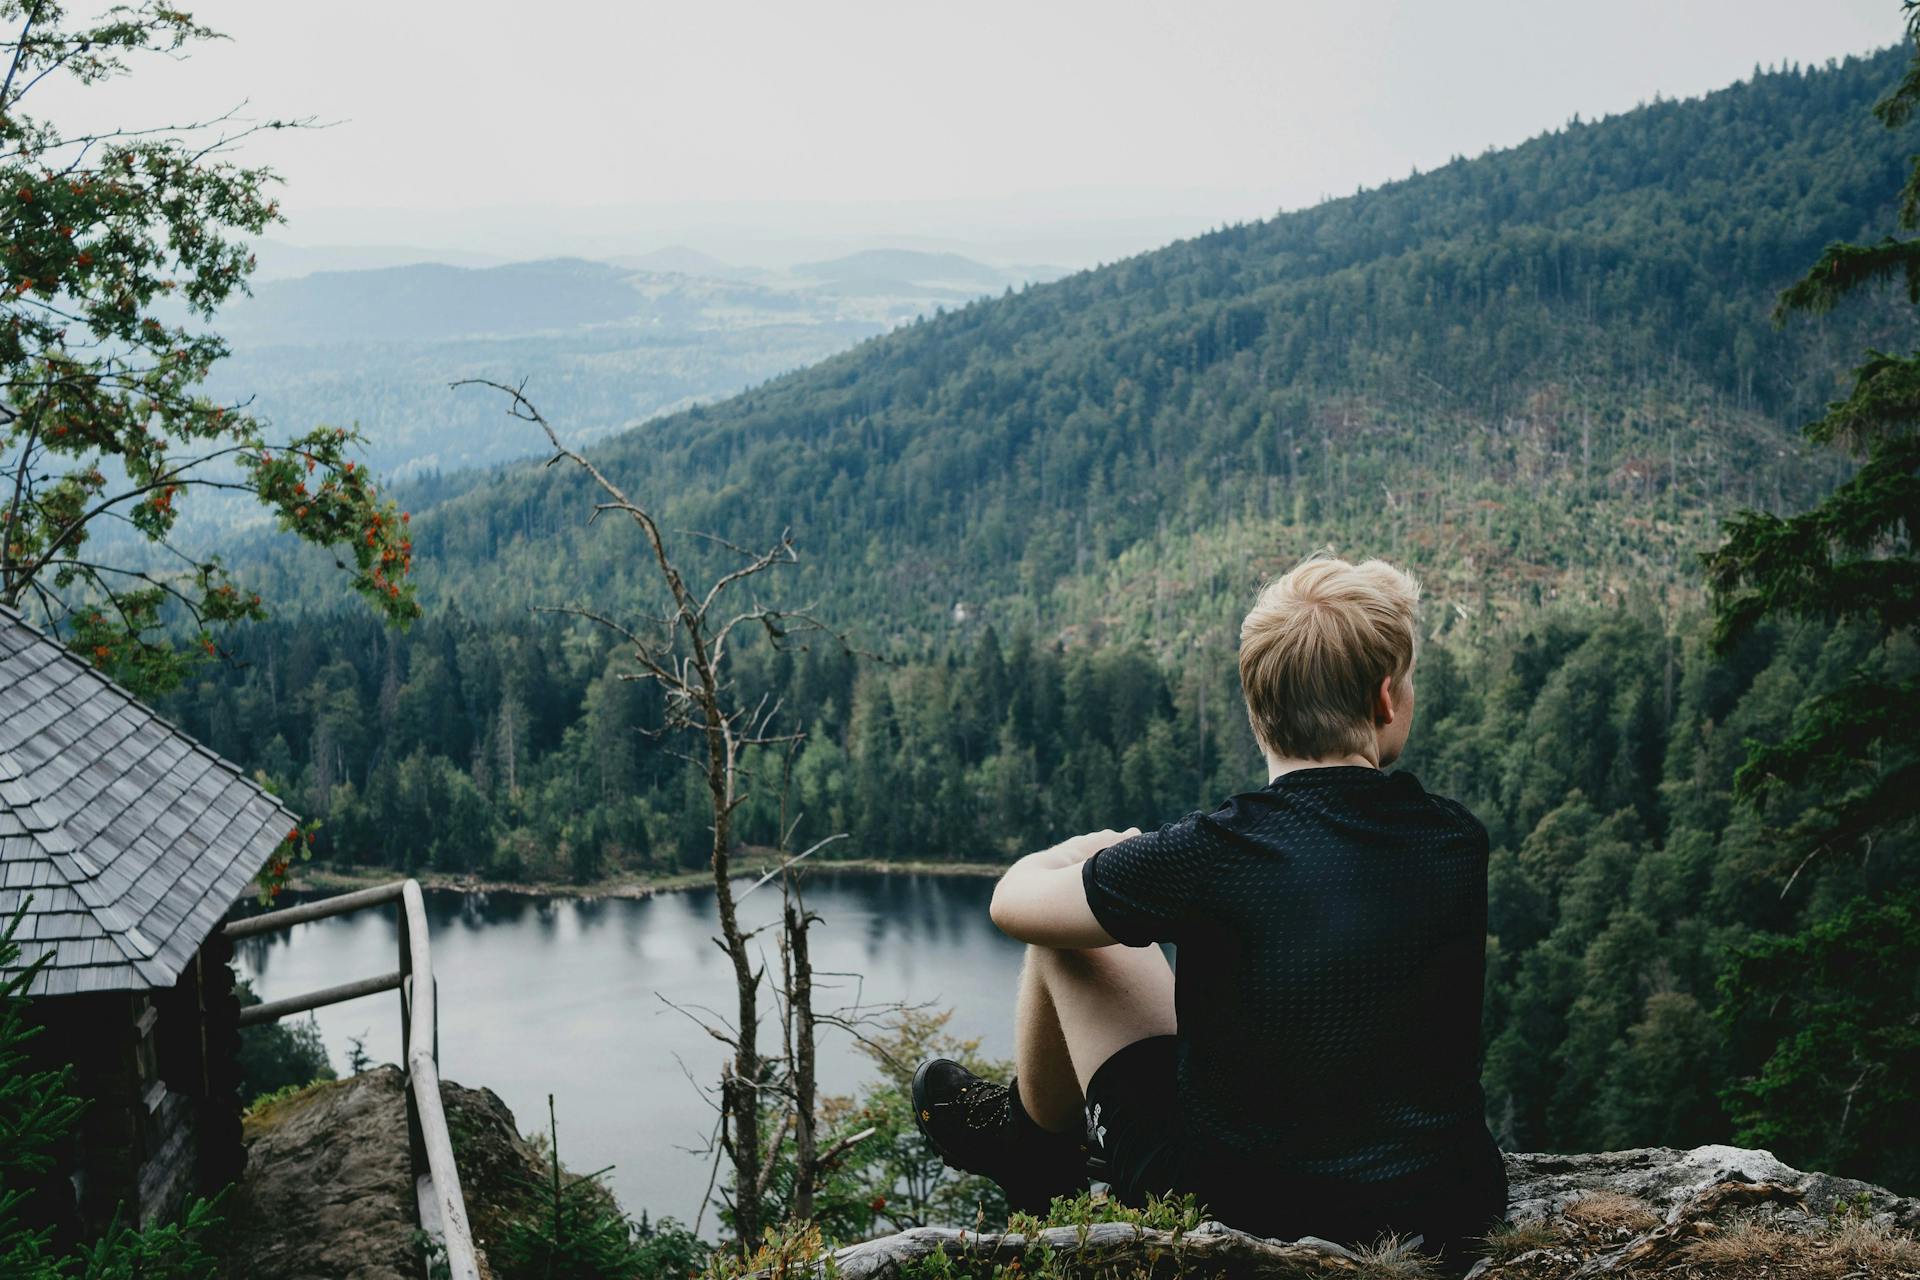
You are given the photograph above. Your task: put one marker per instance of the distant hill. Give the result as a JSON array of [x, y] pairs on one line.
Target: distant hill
[[1543, 372], [681, 260], [431, 302], [279, 260], [436, 302], [948, 269], [609, 344]]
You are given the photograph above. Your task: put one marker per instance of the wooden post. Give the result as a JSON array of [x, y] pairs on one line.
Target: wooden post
[[416, 1141], [442, 1211]]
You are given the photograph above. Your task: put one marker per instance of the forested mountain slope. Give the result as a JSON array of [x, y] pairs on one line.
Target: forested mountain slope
[[1544, 370]]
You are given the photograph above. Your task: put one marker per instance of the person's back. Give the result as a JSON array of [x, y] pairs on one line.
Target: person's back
[[1331, 932], [1313, 1069]]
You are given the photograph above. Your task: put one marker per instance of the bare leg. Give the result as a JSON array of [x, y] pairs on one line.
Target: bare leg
[[1041, 1062], [1076, 1009]]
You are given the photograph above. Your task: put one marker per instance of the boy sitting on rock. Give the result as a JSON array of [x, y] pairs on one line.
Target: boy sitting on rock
[[1313, 1066]]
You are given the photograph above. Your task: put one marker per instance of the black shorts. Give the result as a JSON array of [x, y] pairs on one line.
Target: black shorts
[[1134, 1125]]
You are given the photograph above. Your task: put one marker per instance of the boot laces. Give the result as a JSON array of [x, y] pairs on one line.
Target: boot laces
[[985, 1105]]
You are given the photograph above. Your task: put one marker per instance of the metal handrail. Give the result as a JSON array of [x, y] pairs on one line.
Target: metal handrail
[[441, 1209]]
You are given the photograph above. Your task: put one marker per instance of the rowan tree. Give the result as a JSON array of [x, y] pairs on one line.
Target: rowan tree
[[119, 247]]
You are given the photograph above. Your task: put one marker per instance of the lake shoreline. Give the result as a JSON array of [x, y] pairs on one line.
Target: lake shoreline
[[328, 880]]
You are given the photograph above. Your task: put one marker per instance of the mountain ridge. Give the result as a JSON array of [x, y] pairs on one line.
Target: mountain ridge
[[1560, 352]]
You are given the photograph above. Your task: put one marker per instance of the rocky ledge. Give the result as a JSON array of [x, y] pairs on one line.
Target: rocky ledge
[[1710, 1212], [327, 1191], [327, 1194]]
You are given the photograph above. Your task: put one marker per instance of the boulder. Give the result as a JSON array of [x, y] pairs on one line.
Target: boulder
[[328, 1192], [1542, 1186]]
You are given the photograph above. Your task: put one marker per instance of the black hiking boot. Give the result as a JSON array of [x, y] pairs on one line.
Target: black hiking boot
[[980, 1127]]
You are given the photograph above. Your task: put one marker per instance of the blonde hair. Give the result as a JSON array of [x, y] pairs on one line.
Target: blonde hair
[[1317, 643]]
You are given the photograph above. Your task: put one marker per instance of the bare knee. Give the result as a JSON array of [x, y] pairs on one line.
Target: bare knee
[[1105, 998], [1120, 966]]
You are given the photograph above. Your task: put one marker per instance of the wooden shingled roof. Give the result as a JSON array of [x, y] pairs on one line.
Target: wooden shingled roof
[[132, 839]]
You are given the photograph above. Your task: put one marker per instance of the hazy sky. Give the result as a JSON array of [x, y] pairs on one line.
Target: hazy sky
[[507, 127]]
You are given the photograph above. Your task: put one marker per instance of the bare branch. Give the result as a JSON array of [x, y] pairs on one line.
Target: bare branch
[[821, 844], [845, 1145]]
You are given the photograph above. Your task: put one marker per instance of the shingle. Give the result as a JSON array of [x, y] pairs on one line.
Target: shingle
[[168, 826], [117, 836], [34, 685], [169, 752], [177, 953], [136, 942], [167, 913], [140, 898], [18, 662], [34, 818], [147, 768], [54, 840], [60, 925], [209, 786], [56, 898], [24, 721], [76, 871], [134, 838], [116, 877], [143, 853]]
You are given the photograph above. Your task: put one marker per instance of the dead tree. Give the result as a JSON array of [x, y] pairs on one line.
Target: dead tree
[[685, 651]]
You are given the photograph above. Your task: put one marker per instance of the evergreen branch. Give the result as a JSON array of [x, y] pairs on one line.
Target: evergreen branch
[[1832, 734], [1885, 401], [1848, 557], [1842, 268]]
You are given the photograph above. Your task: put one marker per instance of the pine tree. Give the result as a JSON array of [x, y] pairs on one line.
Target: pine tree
[[1832, 1059]]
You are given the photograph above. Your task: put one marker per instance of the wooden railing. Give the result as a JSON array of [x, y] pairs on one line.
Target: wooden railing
[[442, 1212]]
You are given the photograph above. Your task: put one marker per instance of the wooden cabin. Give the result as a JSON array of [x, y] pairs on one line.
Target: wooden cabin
[[130, 842]]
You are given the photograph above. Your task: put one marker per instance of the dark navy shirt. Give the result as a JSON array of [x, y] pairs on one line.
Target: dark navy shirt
[[1331, 935]]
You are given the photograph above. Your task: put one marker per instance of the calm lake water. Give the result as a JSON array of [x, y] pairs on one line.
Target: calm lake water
[[565, 996]]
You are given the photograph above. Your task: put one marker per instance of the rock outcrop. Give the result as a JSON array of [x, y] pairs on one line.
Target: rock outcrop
[[328, 1193], [1543, 1186], [1711, 1211]]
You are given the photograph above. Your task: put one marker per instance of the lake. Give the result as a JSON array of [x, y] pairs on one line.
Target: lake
[[568, 996]]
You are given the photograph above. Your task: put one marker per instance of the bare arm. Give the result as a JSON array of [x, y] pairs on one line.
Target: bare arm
[[1041, 899]]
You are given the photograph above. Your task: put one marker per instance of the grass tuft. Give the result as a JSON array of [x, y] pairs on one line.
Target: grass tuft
[[1876, 1246], [1748, 1244], [1612, 1210], [1511, 1239], [1393, 1257]]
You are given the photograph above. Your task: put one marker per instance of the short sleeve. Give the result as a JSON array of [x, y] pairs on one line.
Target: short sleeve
[[1145, 889], [1474, 829]]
